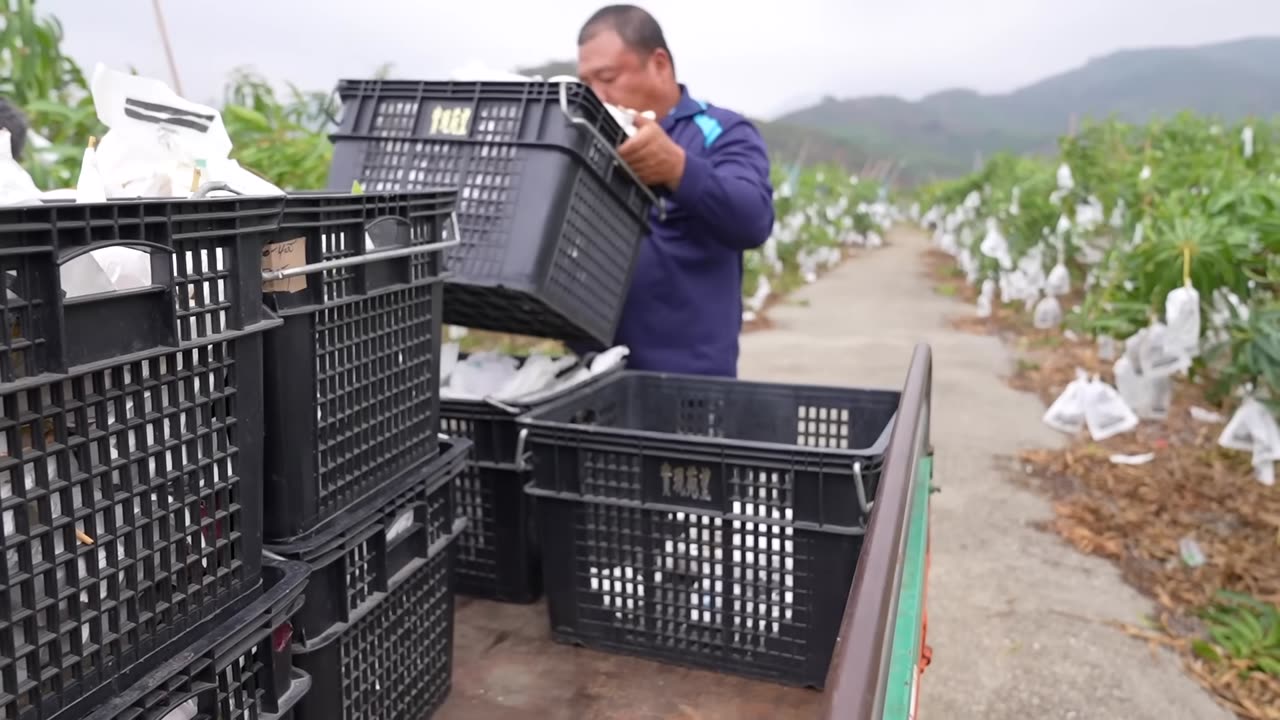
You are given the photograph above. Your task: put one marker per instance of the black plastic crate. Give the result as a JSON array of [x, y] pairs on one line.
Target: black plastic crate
[[498, 556], [376, 633], [130, 441], [551, 219], [705, 521], [353, 375], [356, 560], [240, 670]]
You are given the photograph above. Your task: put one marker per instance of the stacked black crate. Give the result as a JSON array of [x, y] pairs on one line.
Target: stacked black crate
[[359, 485], [131, 466]]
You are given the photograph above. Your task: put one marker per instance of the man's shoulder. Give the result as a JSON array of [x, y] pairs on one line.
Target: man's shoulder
[[725, 116], [716, 121]]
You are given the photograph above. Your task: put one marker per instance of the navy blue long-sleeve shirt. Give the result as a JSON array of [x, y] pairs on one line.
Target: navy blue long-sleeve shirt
[[684, 311]]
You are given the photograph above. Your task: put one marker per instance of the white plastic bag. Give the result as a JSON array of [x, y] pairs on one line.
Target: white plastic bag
[[1243, 429], [1106, 414], [536, 373], [89, 185], [1048, 313], [986, 298], [1253, 429], [1246, 138], [1059, 280], [1131, 385], [1182, 315], [1118, 214], [1065, 181], [1106, 348], [481, 374], [16, 186], [995, 246], [1067, 413], [157, 140], [1154, 357]]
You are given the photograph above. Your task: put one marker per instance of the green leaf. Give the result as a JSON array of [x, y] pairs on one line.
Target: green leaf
[[1205, 651]]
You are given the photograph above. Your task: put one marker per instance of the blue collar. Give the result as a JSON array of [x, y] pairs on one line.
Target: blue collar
[[686, 108]]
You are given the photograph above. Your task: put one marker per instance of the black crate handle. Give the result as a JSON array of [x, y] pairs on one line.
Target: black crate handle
[[658, 202], [143, 318]]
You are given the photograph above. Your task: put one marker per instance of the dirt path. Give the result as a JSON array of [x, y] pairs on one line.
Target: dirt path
[[1018, 620]]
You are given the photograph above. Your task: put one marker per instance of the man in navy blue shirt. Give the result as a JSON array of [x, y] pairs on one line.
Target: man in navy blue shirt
[[684, 311]]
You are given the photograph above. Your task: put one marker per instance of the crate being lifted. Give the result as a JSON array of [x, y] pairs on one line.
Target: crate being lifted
[[551, 218]]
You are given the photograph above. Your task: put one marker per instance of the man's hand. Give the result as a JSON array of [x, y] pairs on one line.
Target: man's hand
[[656, 159]]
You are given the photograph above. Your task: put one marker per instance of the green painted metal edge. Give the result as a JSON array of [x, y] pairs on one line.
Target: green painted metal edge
[[905, 658]]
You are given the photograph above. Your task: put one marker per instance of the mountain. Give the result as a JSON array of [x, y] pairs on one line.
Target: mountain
[[943, 133]]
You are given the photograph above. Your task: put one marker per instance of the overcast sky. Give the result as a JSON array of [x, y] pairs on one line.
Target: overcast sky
[[788, 53]]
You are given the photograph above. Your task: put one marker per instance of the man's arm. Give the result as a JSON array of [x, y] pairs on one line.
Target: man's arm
[[729, 193]]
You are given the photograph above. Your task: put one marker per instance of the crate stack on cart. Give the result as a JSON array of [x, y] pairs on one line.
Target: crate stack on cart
[[692, 520], [359, 485], [134, 583]]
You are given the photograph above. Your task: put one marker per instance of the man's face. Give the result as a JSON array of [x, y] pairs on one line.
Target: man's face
[[621, 76]]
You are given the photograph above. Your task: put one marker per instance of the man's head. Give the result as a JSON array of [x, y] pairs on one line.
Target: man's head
[[623, 56], [12, 119]]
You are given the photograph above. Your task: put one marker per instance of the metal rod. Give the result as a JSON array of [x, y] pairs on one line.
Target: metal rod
[[312, 268], [576, 120]]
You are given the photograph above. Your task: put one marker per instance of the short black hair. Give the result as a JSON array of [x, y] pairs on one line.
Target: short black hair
[[637, 28], [13, 120]]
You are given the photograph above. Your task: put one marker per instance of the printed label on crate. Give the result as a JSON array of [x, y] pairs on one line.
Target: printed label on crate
[[282, 256], [685, 482], [450, 120]]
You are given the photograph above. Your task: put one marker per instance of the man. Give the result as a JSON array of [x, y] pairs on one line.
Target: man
[[684, 311], [13, 120]]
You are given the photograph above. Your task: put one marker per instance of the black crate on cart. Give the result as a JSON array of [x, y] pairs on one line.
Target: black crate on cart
[[498, 555], [353, 375], [705, 521], [376, 632], [130, 439], [551, 219], [240, 670]]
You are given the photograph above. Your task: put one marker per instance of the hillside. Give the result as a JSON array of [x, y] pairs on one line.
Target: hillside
[[786, 143], [944, 132]]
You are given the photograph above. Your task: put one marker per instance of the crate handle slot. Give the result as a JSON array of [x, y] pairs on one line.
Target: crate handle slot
[[107, 323], [199, 691], [144, 246], [591, 128], [385, 232], [67, 256], [312, 268]]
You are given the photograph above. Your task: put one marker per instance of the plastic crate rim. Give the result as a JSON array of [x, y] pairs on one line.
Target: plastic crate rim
[[541, 428], [282, 598], [335, 631], [443, 468]]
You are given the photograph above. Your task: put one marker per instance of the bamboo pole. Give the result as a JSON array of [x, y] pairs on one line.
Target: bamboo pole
[[168, 48]]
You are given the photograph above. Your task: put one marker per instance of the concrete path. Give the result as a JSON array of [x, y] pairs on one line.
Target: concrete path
[[1016, 617]]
